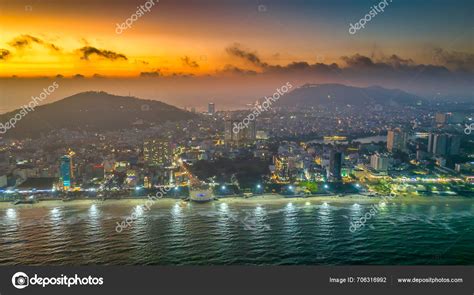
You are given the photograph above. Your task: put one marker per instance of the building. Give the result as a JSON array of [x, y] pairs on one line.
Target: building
[[282, 169], [237, 136], [211, 108], [379, 162], [157, 152], [39, 184], [396, 140], [335, 166], [441, 119], [444, 144], [66, 171]]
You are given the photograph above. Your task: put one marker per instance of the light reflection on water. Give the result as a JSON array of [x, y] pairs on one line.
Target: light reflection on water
[[228, 233]]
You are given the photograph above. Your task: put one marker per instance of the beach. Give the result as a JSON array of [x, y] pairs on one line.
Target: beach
[[255, 200]]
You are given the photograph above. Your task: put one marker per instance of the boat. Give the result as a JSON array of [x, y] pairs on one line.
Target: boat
[[201, 195]]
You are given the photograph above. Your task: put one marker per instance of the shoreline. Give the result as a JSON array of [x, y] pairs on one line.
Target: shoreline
[[268, 199]]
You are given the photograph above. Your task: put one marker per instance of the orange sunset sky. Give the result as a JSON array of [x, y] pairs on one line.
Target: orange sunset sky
[[254, 42]]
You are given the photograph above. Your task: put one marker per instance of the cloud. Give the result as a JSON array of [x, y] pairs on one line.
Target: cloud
[[152, 74], [87, 51], [4, 54], [456, 60], [358, 61], [78, 76], [394, 65], [251, 57], [302, 66], [231, 69], [397, 61], [24, 41], [188, 62]]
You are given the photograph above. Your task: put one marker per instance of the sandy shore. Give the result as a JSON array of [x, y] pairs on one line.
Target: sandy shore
[[255, 200]]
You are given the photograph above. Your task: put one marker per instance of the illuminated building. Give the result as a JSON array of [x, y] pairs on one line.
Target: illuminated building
[[236, 136], [282, 169], [157, 152], [66, 171]]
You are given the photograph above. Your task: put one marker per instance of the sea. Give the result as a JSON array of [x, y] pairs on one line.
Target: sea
[[228, 233]]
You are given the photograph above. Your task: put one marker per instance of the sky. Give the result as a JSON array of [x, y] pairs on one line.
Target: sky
[[232, 52]]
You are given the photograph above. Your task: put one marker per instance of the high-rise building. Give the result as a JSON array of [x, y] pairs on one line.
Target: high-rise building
[[396, 140], [65, 170], [282, 171], [157, 152], [234, 135], [444, 144], [211, 108], [335, 166], [379, 162]]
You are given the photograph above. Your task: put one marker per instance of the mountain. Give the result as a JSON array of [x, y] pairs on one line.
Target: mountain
[[93, 111], [310, 95]]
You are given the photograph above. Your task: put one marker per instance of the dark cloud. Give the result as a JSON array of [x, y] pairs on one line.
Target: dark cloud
[[183, 75], [231, 69], [303, 66], [397, 61], [394, 65], [189, 62], [87, 51], [4, 54], [455, 60], [358, 61], [24, 41], [153, 74], [251, 57]]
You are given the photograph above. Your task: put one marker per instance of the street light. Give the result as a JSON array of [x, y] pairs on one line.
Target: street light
[[223, 187]]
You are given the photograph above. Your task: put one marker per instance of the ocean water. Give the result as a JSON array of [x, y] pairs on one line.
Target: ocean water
[[289, 233]]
